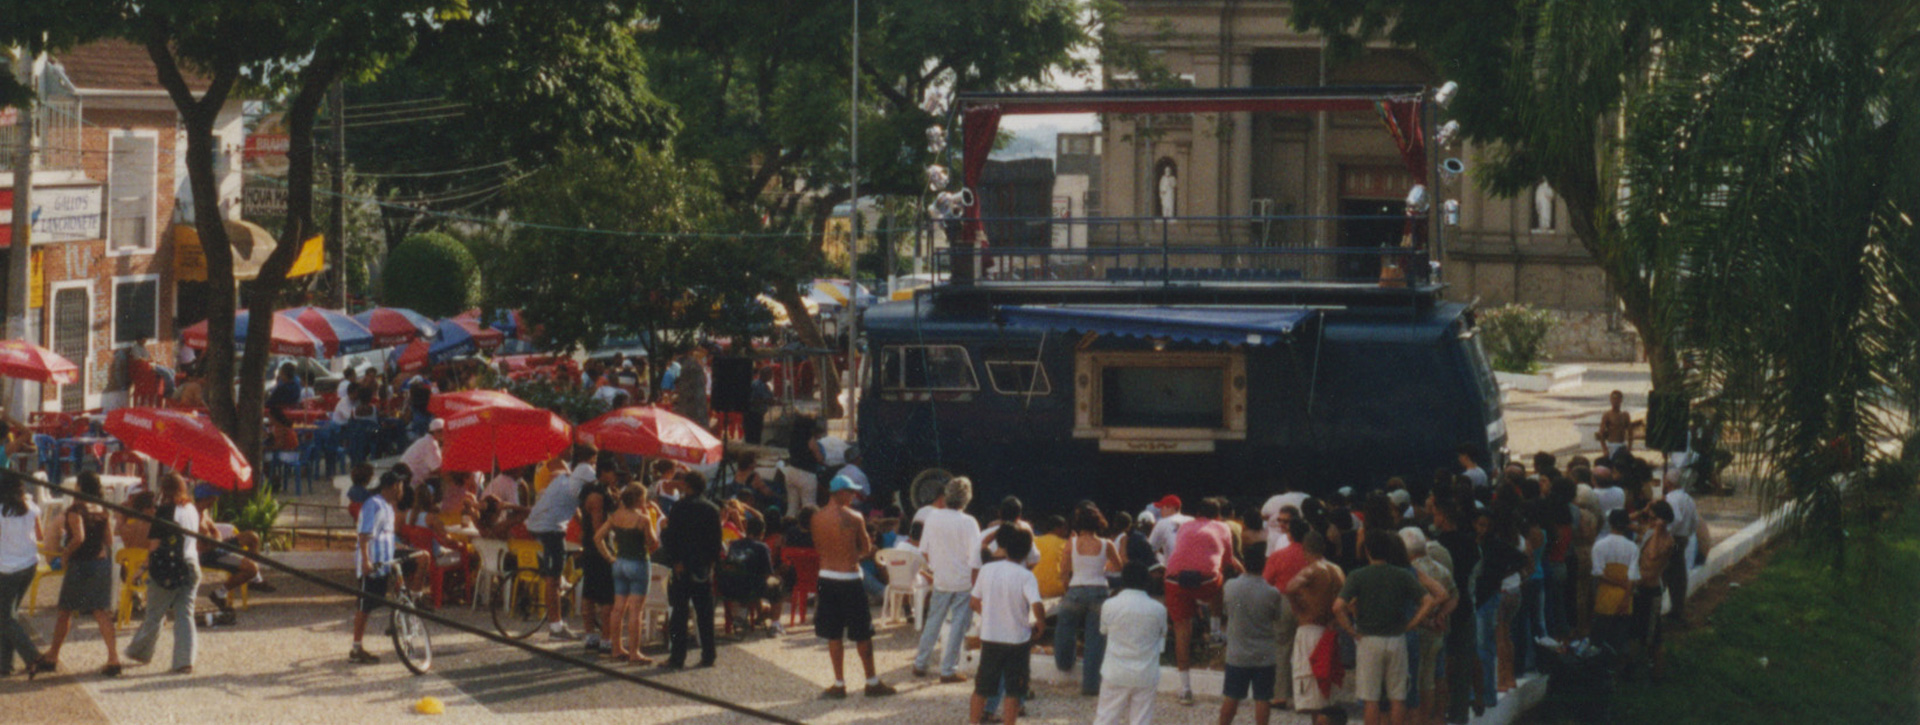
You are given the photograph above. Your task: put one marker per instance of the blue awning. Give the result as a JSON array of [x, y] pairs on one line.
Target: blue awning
[[1213, 325]]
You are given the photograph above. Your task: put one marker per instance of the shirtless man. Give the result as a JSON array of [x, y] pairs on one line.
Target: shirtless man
[[840, 535], [1312, 593], [1616, 425]]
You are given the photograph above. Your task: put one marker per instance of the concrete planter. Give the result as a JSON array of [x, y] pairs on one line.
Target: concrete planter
[[1553, 379]]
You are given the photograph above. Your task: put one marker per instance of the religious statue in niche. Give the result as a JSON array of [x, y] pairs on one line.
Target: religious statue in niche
[[1168, 186], [1543, 208]]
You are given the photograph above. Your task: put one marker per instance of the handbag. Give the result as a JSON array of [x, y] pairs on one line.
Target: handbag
[[167, 565]]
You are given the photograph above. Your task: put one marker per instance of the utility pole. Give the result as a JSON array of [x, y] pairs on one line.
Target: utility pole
[[336, 245], [20, 253], [853, 239]]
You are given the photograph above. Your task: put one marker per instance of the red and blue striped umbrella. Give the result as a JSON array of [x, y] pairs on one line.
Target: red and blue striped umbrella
[[338, 333], [394, 326], [288, 337]]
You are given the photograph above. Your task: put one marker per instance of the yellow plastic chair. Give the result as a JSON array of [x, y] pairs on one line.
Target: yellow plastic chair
[[133, 579], [42, 571]]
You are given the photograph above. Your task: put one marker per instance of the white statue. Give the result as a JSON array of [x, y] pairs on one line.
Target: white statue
[[1167, 185], [1543, 207]]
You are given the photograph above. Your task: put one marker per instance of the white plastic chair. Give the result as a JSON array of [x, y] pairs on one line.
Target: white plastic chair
[[656, 604], [491, 552], [903, 570]]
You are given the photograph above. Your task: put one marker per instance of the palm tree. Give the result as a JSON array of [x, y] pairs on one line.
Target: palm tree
[[1772, 163]]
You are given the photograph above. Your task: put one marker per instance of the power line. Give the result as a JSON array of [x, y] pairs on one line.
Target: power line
[[424, 174], [375, 115], [383, 104], [368, 124]]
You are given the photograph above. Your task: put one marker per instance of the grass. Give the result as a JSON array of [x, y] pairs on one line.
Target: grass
[[1802, 643]]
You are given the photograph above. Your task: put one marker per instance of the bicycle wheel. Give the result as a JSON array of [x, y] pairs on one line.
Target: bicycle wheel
[[410, 638], [518, 608]]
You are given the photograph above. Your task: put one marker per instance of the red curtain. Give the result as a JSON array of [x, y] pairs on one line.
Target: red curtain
[[1404, 124], [980, 125]]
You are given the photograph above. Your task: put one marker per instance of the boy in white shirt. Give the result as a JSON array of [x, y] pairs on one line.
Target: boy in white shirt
[[1136, 630], [1007, 597]]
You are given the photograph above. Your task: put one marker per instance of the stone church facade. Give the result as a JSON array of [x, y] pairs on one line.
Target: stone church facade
[[1329, 166]]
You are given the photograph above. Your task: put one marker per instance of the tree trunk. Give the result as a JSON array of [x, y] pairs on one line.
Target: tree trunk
[[263, 296], [198, 115], [1624, 276]]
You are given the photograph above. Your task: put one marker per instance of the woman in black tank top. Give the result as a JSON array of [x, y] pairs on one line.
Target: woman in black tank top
[[88, 585]]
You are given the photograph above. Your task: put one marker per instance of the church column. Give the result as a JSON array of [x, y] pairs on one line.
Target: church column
[[1239, 154]]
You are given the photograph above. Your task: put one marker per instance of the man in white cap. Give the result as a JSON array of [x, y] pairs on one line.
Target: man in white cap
[[423, 457], [840, 536]]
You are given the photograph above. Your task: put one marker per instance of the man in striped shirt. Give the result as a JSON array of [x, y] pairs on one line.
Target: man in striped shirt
[[372, 557]]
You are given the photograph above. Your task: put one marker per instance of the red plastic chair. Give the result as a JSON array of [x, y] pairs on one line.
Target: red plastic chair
[[423, 539], [806, 580]]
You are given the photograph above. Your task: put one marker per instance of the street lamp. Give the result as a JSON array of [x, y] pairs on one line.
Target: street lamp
[[853, 238]]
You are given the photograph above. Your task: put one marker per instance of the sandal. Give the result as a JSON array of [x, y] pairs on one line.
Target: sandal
[[38, 666], [642, 660], [111, 670]]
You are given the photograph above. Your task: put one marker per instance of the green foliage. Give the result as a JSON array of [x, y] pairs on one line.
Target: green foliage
[[1515, 336], [575, 403], [431, 273], [258, 513], [1839, 645], [1764, 161], [585, 287]]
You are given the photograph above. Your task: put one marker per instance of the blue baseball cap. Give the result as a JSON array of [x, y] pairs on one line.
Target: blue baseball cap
[[843, 483]]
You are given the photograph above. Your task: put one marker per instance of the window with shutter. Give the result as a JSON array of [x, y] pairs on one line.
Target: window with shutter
[[130, 193]]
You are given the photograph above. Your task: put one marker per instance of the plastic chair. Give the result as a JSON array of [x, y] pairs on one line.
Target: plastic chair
[[492, 554], [133, 579], [806, 580], [42, 571], [48, 449], [655, 605], [423, 539], [245, 594], [903, 572]]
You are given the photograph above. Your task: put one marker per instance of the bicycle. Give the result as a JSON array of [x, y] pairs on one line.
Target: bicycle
[[519, 604], [411, 641]]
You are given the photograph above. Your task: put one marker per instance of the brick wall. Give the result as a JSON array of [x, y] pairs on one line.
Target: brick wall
[[64, 263]]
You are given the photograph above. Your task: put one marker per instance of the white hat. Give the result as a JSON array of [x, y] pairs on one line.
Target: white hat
[[436, 426]]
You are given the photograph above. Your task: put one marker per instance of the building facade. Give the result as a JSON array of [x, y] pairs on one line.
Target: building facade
[[1327, 171], [109, 183]]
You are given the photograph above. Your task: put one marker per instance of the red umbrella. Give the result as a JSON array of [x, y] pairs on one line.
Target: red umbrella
[[184, 442], [449, 404], [27, 361], [393, 326], [649, 431], [503, 436], [288, 337], [486, 338]]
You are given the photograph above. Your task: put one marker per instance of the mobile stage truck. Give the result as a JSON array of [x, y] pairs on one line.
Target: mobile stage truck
[[1188, 355]]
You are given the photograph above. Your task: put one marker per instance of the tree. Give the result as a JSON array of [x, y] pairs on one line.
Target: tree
[[681, 275], [1541, 87], [1772, 152], [477, 106], [431, 273], [279, 47], [769, 86]]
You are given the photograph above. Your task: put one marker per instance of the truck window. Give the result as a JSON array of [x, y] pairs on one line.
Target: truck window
[[1018, 377], [927, 367]]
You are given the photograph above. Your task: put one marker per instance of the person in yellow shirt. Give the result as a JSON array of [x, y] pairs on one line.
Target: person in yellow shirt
[[1055, 567], [545, 474]]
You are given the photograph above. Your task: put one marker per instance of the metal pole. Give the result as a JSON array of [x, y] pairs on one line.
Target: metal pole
[[20, 254], [853, 239], [337, 229]]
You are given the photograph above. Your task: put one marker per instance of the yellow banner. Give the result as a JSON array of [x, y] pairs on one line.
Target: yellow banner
[[313, 257], [189, 260], [37, 285]]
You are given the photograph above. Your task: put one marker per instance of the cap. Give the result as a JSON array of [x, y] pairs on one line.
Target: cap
[[436, 426], [843, 483], [205, 490], [1399, 497], [1170, 502]]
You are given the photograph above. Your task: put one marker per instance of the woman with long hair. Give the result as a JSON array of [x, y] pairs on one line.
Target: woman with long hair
[[88, 588], [170, 593], [627, 538], [19, 559], [1090, 557]]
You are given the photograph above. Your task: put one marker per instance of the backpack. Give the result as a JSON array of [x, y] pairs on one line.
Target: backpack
[[167, 566]]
